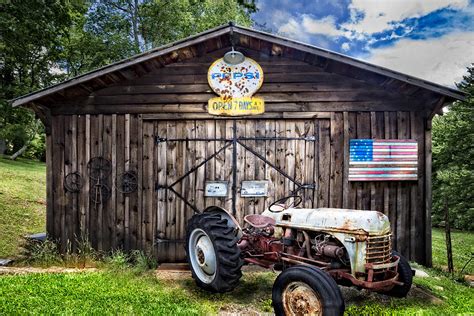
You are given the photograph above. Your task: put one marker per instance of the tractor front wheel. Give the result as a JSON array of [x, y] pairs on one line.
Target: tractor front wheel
[[305, 290], [405, 275], [212, 252]]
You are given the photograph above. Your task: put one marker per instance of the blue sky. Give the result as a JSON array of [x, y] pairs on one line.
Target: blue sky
[[430, 39]]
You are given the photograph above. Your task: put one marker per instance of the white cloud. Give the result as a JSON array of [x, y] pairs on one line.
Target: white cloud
[[442, 60], [345, 46], [325, 26], [292, 29], [370, 16]]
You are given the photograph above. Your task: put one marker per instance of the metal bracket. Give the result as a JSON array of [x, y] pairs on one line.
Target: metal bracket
[[159, 139]]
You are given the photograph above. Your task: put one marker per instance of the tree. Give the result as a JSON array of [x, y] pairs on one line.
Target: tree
[[43, 42], [453, 159], [29, 46]]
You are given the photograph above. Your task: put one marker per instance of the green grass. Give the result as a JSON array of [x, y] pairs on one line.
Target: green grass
[[94, 294], [463, 247], [22, 202], [122, 289]]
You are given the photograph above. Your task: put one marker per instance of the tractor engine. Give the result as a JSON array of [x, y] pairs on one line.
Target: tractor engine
[[264, 244]]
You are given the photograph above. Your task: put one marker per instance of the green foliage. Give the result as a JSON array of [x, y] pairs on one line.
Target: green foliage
[[44, 44], [41, 253], [453, 160], [164, 21]]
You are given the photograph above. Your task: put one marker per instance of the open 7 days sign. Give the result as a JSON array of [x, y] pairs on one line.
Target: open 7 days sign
[[235, 84]]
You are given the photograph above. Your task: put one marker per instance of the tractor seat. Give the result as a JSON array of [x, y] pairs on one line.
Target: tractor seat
[[259, 221]]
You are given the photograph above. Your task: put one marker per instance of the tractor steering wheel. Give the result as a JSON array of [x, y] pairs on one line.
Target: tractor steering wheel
[[281, 205]]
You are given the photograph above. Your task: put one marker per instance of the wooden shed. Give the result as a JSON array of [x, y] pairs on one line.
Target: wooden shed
[[131, 147]]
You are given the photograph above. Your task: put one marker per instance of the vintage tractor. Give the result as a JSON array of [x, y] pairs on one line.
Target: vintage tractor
[[315, 249]]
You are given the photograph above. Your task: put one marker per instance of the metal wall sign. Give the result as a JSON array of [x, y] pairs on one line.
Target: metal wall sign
[[235, 85], [256, 188], [216, 188]]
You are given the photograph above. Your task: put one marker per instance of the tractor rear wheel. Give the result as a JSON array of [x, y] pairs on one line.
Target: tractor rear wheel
[[212, 252], [304, 290]]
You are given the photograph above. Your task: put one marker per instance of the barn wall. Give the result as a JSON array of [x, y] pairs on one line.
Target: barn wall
[[135, 220]]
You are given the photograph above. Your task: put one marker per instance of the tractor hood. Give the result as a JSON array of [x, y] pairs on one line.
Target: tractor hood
[[333, 219]]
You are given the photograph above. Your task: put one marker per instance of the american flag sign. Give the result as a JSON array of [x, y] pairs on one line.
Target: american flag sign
[[383, 159]]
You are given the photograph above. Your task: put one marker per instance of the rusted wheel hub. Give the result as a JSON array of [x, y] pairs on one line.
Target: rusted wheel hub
[[300, 299]]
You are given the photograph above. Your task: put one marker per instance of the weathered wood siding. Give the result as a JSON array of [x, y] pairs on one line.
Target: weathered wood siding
[[120, 122], [134, 221]]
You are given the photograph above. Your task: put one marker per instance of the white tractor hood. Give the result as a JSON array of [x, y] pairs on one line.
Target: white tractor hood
[[332, 219]]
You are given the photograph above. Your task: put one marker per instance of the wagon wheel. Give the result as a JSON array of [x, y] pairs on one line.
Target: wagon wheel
[[73, 182], [100, 193], [99, 168], [127, 182]]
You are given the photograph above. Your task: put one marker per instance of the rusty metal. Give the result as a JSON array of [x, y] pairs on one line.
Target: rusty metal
[[384, 285], [307, 240], [300, 299]]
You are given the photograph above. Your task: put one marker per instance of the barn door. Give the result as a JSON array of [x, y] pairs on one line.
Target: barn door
[[189, 153]]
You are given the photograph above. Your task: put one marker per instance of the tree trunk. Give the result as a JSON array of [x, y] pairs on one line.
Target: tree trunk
[[20, 151], [3, 146]]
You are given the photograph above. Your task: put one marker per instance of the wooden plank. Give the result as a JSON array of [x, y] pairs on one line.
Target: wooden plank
[[172, 175], [125, 89], [270, 155], [273, 97], [134, 135], [309, 162], [240, 172], [228, 173], [127, 209], [377, 187], [210, 167], [108, 208], [324, 161], [148, 186], [49, 187], [280, 151], [403, 194], [114, 195], [259, 165], [140, 206], [205, 116], [337, 160], [428, 193], [184, 162], [57, 137], [417, 241], [220, 162], [249, 165], [273, 108], [120, 169], [299, 173], [67, 207], [74, 230], [290, 148], [200, 175], [161, 167], [363, 188]]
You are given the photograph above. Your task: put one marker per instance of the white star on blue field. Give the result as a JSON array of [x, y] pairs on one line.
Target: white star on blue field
[[430, 39]]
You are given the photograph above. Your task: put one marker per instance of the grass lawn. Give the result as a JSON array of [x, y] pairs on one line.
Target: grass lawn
[[125, 291], [22, 202]]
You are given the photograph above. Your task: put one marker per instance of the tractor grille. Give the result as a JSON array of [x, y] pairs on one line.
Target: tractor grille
[[379, 249]]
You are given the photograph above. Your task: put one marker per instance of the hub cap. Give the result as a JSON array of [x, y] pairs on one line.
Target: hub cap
[[202, 256], [300, 299]]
